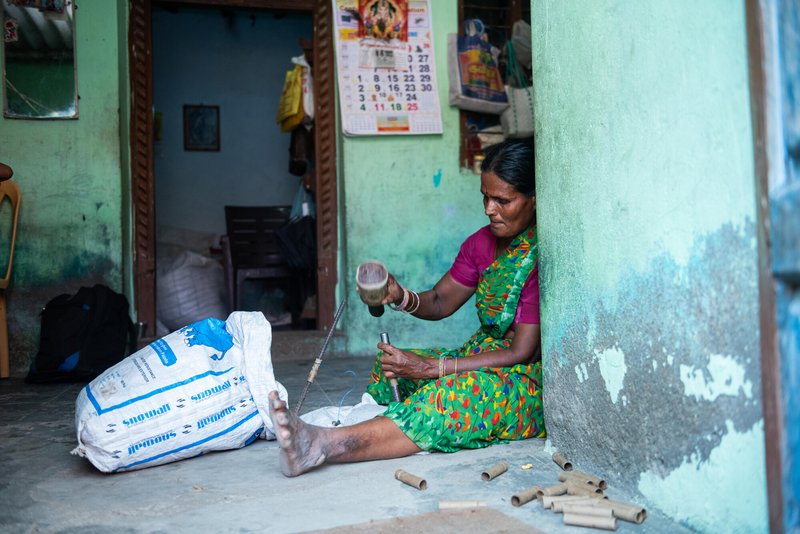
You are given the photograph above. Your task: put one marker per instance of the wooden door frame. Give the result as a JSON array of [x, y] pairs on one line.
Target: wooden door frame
[[140, 45], [763, 47]]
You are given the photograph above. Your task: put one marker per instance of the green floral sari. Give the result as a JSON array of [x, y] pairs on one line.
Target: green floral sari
[[474, 409]]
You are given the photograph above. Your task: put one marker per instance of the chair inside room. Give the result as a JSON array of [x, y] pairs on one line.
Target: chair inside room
[[251, 252], [10, 190]]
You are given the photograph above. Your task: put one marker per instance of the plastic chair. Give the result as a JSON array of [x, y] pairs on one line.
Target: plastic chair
[[8, 188], [251, 249]]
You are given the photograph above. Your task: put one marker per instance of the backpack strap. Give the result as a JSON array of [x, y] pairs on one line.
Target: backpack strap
[[98, 303], [103, 294]]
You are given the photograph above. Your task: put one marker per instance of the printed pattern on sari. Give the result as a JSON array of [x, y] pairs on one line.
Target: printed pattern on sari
[[475, 408]]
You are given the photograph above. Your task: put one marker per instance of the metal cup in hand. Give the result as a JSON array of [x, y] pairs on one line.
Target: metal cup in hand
[[372, 279]]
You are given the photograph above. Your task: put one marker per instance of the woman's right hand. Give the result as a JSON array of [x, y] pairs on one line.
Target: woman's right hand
[[394, 291], [398, 363]]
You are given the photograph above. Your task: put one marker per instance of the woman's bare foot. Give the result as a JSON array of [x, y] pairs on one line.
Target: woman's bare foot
[[300, 443]]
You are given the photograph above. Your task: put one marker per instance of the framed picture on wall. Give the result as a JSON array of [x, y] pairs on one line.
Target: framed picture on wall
[[201, 128]]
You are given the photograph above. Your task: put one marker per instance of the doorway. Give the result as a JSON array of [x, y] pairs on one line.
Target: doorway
[[145, 129]]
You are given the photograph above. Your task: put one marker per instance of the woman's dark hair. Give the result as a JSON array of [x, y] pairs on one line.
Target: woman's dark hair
[[512, 161]]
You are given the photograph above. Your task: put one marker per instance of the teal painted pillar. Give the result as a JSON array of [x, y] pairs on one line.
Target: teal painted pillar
[[646, 200]]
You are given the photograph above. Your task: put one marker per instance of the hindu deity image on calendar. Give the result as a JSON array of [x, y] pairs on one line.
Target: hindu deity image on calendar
[[384, 20]]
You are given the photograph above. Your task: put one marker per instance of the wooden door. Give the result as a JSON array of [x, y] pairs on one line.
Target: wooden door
[[141, 133], [774, 41]]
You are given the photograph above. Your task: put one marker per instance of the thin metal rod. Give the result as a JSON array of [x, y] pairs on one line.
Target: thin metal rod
[[313, 373], [392, 381]]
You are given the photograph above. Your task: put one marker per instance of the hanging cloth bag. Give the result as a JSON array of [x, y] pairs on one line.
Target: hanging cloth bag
[[306, 87], [290, 107], [475, 81], [517, 119]]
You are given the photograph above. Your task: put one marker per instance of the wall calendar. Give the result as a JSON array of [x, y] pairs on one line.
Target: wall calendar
[[386, 69]]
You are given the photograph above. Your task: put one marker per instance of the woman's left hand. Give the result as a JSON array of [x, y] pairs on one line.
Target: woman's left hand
[[397, 363]]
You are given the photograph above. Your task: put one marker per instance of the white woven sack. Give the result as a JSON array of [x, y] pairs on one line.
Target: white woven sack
[[521, 37], [517, 119], [199, 389], [189, 289]]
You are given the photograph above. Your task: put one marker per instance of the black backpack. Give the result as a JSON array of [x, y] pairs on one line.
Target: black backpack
[[82, 335]]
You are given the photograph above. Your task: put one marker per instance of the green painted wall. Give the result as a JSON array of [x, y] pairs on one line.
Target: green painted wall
[[646, 197], [405, 201], [70, 174]]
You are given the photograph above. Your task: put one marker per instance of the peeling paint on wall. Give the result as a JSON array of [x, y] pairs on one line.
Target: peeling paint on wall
[[612, 368], [690, 486], [727, 377], [583, 374], [669, 367]]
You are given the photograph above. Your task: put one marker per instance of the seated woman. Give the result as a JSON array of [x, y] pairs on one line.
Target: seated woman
[[487, 390]]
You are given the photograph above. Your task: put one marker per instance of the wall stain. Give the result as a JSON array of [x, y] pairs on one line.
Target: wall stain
[[437, 178], [672, 315]]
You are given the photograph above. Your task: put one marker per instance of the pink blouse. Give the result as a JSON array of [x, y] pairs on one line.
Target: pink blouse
[[476, 254]]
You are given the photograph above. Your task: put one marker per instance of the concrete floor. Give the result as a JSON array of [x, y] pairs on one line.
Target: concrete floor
[[44, 489]]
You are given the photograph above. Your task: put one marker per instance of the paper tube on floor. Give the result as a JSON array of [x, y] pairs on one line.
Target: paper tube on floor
[[584, 508], [558, 506], [593, 521], [625, 510], [525, 496], [412, 480], [548, 501], [562, 461], [575, 487], [460, 505], [581, 476], [494, 471], [558, 489]]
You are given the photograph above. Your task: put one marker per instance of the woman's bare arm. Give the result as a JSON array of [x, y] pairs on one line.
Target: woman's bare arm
[[442, 301], [446, 297]]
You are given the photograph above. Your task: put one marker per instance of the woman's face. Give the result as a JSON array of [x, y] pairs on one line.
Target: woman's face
[[509, 211]]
